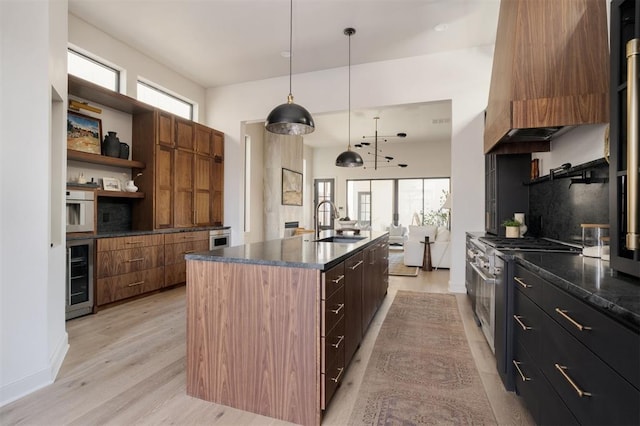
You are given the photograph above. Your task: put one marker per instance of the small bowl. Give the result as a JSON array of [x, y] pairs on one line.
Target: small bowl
[[347, 223]]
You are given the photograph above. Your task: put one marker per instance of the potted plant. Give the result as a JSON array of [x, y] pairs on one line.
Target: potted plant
[[512, 228]]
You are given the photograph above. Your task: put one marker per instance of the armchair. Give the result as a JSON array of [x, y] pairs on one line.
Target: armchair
[[397, 234]]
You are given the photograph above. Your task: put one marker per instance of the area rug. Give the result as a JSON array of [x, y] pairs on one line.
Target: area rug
[[421, 371], [397, 266]]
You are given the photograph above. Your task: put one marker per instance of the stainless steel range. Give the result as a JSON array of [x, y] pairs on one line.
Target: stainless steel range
[[490, 265]]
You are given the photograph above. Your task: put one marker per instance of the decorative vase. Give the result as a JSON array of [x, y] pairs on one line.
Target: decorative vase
[[130, 186], [124, 150], [520, 218], [512, 231], [111, 145]]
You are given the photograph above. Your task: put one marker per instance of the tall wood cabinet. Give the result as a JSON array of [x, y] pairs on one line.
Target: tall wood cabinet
[[625, 26]]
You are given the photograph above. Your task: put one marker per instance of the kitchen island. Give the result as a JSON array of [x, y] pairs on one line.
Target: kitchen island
[[272, 326]]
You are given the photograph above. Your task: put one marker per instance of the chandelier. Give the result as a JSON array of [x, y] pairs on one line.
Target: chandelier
[[377, 154]]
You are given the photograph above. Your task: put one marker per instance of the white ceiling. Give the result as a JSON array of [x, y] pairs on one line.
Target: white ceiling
[[219, 42]]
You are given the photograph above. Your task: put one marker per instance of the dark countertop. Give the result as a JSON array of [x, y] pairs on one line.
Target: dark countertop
[[80, 236], [591, 280], [298, 252]]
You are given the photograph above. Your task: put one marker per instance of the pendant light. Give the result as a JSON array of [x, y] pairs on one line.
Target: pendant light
[[349, 158], [290, 118]]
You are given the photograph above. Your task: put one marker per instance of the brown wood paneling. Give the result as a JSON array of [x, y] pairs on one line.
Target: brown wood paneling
[[165, 129], [204, 140], [183, 189], [117, 262], [174, 253], [218, 145], [203, 189], [250, 348], [163, 205], [120, 287], [184, 134], [121, 243]]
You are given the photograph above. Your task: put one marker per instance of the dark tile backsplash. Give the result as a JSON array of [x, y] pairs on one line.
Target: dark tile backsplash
[[114, 215], [557, 207]]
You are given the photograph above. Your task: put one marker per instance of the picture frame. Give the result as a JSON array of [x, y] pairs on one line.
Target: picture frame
[[291, 188], [84, 133], [111, 184]]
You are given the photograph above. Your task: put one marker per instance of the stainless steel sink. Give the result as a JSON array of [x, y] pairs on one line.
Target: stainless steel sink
[[340, 239]]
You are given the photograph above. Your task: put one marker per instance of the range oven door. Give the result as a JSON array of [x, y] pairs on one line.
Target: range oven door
[[486, 303]]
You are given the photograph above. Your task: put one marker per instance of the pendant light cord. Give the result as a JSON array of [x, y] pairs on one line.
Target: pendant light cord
[[290, 42], [349, 120]]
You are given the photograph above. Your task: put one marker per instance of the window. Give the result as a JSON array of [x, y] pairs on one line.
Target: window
[[163, 100], [364, 207], [323, 189], [93, 70]]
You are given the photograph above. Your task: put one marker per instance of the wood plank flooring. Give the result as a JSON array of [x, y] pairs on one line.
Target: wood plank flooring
[[126, 366]]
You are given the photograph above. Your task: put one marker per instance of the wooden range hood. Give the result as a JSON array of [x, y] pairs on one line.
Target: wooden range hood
[[550, 71]]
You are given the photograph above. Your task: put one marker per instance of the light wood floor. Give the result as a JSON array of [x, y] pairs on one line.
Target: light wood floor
[[126, 366]]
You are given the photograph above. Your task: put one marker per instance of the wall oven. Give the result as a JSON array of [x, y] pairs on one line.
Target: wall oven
[[80, 211], [219, 238]]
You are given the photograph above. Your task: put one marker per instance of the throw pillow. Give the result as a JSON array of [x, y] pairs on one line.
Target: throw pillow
[[417, 233]]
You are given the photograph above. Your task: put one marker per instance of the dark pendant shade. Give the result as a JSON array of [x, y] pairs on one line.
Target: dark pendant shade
[[349, 159], [289, 119]]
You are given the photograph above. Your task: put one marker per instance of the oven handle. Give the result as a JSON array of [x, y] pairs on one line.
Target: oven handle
[[485, 278]]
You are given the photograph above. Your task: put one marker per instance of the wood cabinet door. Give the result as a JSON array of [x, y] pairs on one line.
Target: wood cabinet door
[[203, 189], [353, 271], [183, 189], [184, 134], [218, 145], [204, 140], [370, 285], [165, 129], [163, 208]]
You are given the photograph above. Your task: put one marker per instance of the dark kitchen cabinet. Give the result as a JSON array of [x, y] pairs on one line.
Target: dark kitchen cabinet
[[353, 280], [572, 364], [625, 26], [505, 189]]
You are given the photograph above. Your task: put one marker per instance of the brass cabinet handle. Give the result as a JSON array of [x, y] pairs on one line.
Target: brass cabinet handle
[[571, 320], [337, 280], [522, 376], [134, 242], [579, 391], [337, 344], [340, 370], [354, 267], [632, 239], [137, 259], [188, 251], [522, 283], [136, 283], [338, 309], [519, 321]]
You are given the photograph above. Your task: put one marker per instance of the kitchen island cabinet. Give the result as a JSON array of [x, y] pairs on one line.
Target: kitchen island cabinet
[[267, 323]]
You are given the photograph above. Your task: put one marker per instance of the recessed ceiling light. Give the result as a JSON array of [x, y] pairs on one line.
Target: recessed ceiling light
[[441, 27]]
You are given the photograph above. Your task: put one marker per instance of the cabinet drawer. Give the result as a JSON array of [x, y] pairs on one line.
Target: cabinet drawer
[[571, 368], [528, 283], [174, 253], [120, 287], [117, 262], [332, 346], [175, 274], [527, 322], [333, 309], [333, 279], [181, 237], [331, 380], [121, 243], [614, 343]]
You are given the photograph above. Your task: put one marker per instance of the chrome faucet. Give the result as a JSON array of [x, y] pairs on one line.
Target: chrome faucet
[[334, 215]]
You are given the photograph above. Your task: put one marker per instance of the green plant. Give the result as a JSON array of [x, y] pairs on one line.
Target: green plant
[[511, 222]]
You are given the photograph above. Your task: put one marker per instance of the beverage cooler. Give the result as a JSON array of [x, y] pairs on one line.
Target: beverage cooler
[[79, 282]]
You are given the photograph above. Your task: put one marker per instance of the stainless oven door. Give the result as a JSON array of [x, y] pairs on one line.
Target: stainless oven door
[[486, 303]]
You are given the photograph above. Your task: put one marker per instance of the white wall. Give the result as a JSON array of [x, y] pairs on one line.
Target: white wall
[[418, 79], [32, 104]]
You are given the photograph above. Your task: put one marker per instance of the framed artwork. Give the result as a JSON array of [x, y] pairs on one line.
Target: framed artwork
[[291, 188], [84, 133], [110, 184]]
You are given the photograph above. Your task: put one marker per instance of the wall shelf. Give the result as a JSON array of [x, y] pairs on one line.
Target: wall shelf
[[103, 159], [572, 172]]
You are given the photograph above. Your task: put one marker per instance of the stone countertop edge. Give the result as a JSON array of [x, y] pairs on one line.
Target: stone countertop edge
[[294, 252], [76, 236], [591, 280]]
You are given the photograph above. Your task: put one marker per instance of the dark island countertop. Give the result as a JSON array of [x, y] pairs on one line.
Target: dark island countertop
[[111, 234], [591, 280], [298, 252]]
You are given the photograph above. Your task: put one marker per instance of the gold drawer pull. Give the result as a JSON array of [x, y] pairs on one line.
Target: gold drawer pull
[[338, 309], [340, 370], [137, 259], [337, 344], [571, 320], [354, 267], [136, 283], [522, 376], [189, 251], [134, 242], [524, 327], [522, 283], [337, 280], [579, 391]]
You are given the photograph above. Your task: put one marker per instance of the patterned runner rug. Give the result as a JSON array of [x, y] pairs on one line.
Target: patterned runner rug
[[397, 266], [421, 370]]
